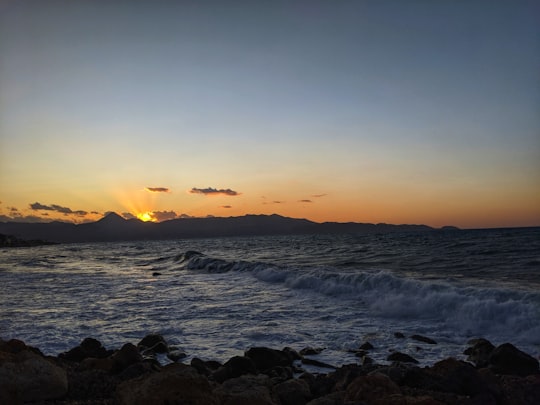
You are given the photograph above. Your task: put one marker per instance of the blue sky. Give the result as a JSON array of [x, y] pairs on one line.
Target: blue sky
[[395, 111]]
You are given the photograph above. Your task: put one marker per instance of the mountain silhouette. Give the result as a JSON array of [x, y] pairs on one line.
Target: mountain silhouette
[[113, 227]]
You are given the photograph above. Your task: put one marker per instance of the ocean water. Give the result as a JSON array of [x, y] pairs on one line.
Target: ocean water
[[214, 298]]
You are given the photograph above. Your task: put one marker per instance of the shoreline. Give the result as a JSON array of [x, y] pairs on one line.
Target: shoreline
[[90, 374]]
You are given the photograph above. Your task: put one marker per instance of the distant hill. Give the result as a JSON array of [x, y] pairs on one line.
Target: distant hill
[[115, 228]]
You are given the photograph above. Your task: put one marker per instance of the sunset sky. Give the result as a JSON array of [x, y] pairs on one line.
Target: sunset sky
[[368, 111]]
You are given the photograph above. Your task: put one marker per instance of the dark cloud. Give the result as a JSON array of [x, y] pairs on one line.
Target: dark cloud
[[185, 216], [226, 206], [213, 191], [24, 219], [58, 208], [163, 215], [305, 201], [274, 202], [319, 195], [157, 189]]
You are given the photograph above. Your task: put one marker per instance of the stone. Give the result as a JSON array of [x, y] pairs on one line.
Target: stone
[[423, 339], [366, 346], [507, 359], [204, 367], [292, 392], [520, 390], [265, 358], [479, 352], [176, 355], [317, 363], [399, 335], [374, 389], [401, 358], [309, 351], [175, 384], [245, 390], [335, 398], [125, 357], [27, 376], [153, 343], [89, 347], [235, 367]]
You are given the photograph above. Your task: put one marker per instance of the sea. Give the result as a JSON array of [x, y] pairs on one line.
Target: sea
[[215, 298]]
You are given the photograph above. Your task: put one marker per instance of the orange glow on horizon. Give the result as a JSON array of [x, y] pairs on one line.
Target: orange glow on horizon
[[146, 216]]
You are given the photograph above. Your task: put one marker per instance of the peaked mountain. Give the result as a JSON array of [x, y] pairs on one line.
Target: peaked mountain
[[113, 227]]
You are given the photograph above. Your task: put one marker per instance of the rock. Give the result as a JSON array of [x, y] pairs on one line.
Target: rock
[[245, 390], [27, 376], [156, 273], [335, 398], [375, 389], [89, 347], [125, 357], [480, 351], [176, 355], [235, 367], [17, 346], [507, 359], [205, 367], [366, 346], [423, 339], [153, 343], [401, 357], [174, 384], [399, 335], [307, 351], [520, 390], [265, 358], [317, 363], [293, 354], [292, 392]]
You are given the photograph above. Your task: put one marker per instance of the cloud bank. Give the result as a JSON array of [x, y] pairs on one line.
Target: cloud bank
[[213, 191], [58, 208]]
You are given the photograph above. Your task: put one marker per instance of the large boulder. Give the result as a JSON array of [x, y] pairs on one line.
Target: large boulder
[[153, 343], [26, 376], [174, 384], [374, 389], [246, 390], [265, 358], [479, 351], [89, 348], [507, 359], [293, 392]]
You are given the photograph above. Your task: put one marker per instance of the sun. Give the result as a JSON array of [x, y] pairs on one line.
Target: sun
[[145, 216]]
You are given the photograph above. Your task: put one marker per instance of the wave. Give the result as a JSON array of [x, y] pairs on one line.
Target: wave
[[474, 309]]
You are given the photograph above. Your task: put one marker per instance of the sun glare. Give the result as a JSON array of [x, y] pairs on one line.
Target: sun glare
[[145, 216]]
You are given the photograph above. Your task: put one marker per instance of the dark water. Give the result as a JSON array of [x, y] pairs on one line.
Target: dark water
[[325, 290]]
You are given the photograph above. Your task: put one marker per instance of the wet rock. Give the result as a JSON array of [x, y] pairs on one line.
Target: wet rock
[[17, 346], [176, 355], [245, 390], [401, 357], [174, 384], [27, 376], [479, 352], [292, 392], [317, 363], [309, 351], [423, 339], [507, 359], [205, 367], [265, 358], [335, 398], [399, 335], [235, 367], [366, 346], [375, 389], [520, 390], [89, 347], [153, 343], [125, 357], [293, 354]]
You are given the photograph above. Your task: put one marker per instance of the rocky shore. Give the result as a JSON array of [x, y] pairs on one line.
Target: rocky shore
[[90, 374]]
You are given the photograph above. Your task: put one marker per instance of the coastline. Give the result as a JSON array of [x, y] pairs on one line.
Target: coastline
[[90, 374]]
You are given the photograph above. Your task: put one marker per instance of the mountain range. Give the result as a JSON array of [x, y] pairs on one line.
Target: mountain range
[[113, 227]]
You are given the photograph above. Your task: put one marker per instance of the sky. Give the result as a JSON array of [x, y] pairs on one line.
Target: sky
[[414, 111]]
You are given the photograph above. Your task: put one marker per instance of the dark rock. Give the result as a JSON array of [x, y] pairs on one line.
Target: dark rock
[[205, 367], [335, 398], [279, 374], [401, 357], [366, 346], [176, 355], [399, 335], [375, 389], [153, 343], [317, 363], [125, 357], [307, 351], [479, 352], [265, 358], [156, 273], [520, 390], [507, 359], [423, 339], [245, 390], [235, 367], [26, 376], [292, 392], [174, 384], [293, 354], [89, 347]]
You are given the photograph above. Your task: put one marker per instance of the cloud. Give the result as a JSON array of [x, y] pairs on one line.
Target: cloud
[[213, 191], [305, 201], [319, 195], [58, 208], [128, 215], [274, 202], [226, 206], [163, 215], [157, 189]]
